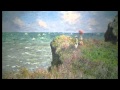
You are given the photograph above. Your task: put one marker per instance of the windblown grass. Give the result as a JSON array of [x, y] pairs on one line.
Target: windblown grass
[[96, 59]]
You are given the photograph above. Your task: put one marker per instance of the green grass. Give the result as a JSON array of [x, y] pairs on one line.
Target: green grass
[[105, 52], [96, 59]]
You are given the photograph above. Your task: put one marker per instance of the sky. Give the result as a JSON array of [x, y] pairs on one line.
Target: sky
[[56, 21]]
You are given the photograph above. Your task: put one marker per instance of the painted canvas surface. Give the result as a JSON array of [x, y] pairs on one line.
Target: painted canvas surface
[[59, 44]]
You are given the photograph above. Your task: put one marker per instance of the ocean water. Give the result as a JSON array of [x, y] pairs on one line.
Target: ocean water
[[31, 49]]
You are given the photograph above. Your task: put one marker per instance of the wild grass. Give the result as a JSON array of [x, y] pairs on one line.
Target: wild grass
[[96, 59]]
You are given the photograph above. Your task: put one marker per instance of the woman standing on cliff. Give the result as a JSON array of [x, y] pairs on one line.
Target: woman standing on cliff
[[81, 39], [76, 42]]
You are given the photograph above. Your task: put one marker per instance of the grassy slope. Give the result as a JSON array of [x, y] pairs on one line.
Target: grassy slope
[[96, 60], [102, 58]]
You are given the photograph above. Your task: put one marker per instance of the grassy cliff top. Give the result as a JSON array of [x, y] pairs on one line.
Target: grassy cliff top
[[62, 42]]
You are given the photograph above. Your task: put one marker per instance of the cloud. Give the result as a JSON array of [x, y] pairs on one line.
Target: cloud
[[92, 22], [42, 24], [19, 22], [71, 17]]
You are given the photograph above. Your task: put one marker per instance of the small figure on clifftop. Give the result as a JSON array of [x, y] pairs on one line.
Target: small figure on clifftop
[[81, 39], [76, 42]]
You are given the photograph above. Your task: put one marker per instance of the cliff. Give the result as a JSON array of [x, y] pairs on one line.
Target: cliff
[[63, 50], [112, 32]]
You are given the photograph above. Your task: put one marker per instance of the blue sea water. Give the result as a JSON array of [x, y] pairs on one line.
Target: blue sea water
[[31, 49]]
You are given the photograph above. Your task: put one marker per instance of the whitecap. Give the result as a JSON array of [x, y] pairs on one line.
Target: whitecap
[[8, 65], [26, 33], [27, 41], [11, 48], [43, 50], [22, 38], [27, 47], [28, 63], [33, 38], [8, 55], [44, 34], [27, 53], [21, 61], [23, 53], [38, 34], [11, 56], [13, 66], [31, 69], [42, 38], [17, 66], [40, 58], [39, 50], [43, 62], [34, 63], [46, 55], [36, 67], [17, 70]]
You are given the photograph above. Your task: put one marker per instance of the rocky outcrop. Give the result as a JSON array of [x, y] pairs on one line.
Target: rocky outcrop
[[63, 50], [55, 57], [112, 32]]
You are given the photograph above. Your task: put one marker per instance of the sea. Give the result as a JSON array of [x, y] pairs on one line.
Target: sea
[[31, 49]]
